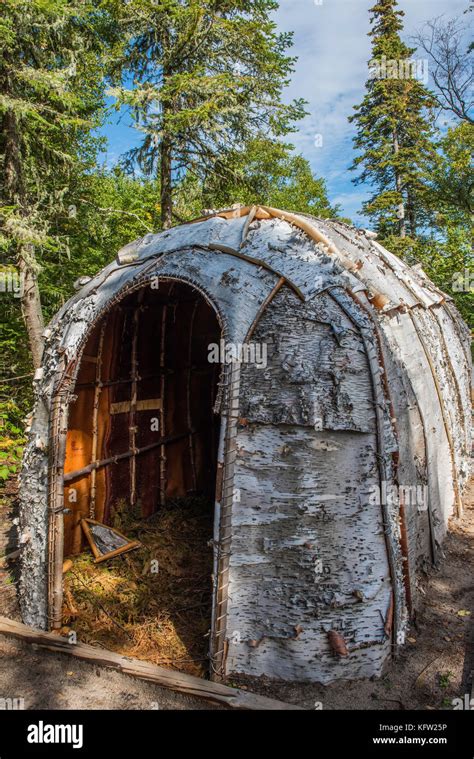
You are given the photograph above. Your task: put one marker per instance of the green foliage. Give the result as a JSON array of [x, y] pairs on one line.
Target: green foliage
[[445, 250], [51, 97], [110, 209], [207, 77], [207, 81], [415, 170], [449, 186], [265, 173], [53, 64], [15, 360], [447, 261], [11, 439]]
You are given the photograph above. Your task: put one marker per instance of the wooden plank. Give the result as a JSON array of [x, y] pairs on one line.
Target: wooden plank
[[166, 678], [149, 404], [123, 407]]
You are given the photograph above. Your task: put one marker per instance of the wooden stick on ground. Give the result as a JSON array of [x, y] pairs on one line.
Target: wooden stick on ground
[[165, 678], [9, 557]]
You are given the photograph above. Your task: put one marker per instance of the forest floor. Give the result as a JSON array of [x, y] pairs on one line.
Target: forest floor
[[162, 616], [434, 667]]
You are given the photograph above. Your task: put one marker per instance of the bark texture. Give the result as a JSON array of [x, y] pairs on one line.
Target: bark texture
[[366, 387]]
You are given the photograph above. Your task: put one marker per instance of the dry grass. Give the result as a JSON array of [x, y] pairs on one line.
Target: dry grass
[[127, 606]]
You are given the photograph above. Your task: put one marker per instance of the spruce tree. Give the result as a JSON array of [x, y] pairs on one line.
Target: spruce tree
[[394, 128]]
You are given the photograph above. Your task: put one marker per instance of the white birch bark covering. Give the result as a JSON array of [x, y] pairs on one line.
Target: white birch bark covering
[[352, 397], [308, 552]]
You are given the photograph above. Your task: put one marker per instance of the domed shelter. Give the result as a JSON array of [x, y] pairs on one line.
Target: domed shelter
[[310, 383]]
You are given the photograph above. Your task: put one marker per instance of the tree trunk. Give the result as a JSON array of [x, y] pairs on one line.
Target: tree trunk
[[166, 144], [15, 194], [166, 187], [398, 184], [31, 303], [411, 215]]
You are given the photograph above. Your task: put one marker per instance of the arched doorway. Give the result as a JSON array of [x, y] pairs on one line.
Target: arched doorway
[[141, 456]]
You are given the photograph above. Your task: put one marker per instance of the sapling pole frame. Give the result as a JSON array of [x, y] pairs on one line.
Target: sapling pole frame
[[128, 381], [374, 356], [132, 428], [95, 417], [223, 527], [395, 455], [188, 398], [56, 520], [164, 316], [126, 455]]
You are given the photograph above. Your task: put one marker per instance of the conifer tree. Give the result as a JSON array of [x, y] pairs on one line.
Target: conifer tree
[[207, 77], [394, 128], [51, 95]]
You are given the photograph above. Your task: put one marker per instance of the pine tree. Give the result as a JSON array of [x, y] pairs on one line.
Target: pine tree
[[207, 78], [394, 126]]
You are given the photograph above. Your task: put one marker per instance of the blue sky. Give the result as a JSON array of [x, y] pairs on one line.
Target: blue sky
[[331, 43]]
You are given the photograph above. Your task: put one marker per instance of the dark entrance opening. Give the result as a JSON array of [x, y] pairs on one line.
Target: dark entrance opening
[[141, 456]]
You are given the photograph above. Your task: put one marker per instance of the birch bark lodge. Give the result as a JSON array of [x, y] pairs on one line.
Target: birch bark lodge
[[315, 461]]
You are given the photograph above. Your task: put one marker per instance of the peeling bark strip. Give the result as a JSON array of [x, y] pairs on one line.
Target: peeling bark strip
[[337, 643], [223, 520], [366, 387]]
